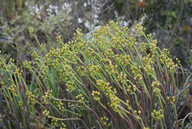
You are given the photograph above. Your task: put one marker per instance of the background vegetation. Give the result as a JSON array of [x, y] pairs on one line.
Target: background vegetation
[[32, 30]]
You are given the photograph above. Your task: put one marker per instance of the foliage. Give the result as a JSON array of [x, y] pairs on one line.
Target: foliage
[[117, 78], [168, 21], [49, 20]]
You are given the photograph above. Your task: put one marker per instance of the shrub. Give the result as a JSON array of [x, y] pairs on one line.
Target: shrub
[[118, 78]]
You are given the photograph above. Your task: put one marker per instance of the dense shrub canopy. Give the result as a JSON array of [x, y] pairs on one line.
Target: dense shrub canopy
[[106, 76], [117, 78]]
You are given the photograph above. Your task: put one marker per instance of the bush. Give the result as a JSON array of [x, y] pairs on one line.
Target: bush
[[168, 21], [117, 78]]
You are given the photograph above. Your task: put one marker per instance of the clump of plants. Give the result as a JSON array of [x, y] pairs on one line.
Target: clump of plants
[[118, 78]]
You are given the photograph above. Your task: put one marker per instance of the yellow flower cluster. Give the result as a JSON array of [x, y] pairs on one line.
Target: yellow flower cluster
[[27, 64], [93, 70], [70, 86], [34, 55], [59, 104], [137, 73], [122, 78], [110, 69], [142, 47], [2, 64], [13, 88], [107, 89], [103, 86], [153, 46], [164, 59], [96, 95], [172, 99], [131, 89], [43, 70], [123, 59], [46, 113], [139, 29], [63, 126], [148, 62], [105, 121], [54, 122], [31, 98], [137, 113], [115, 102], [157, 115], [82, 70], [58, 38], [31, 30], [47, 96], [80, 98], [155, 84]]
